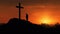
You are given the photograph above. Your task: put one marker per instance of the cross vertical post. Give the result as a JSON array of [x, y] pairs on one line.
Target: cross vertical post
[[19, 7]]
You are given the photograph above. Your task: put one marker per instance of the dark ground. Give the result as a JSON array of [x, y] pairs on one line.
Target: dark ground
[[16, 25]]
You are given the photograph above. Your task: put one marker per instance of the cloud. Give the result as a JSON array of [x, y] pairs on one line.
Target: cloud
[[30, 2], [8, 2], [41, 2]]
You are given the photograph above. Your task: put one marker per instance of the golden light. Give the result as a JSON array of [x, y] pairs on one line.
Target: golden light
[[45, 20]]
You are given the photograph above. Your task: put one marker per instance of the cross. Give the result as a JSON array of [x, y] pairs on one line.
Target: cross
[[19, 7]]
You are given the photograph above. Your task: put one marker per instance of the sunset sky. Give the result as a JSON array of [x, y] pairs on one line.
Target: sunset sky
[[39, 11]]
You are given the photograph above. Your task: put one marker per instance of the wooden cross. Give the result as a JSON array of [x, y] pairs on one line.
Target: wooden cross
[[19, 7]]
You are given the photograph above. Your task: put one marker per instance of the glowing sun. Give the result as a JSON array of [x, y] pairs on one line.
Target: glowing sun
[[46, 20]]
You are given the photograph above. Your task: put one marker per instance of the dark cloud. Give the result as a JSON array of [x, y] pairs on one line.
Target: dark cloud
[[8, 2], [35, 2], [30, 2]]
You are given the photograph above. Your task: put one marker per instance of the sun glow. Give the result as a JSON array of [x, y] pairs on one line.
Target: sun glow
[[46, 20]]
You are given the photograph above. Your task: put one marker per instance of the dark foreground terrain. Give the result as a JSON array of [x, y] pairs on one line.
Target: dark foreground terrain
[[16, 25]]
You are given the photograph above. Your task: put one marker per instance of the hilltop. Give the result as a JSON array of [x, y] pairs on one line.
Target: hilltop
[[16, 25]]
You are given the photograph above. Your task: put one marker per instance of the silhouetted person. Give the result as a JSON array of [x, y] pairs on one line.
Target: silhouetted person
[[26, 17]]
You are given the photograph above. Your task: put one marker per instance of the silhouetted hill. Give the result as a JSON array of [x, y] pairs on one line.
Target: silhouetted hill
[[16, 25]]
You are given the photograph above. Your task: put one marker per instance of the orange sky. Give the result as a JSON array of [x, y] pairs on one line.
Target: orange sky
[[38, 11]]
